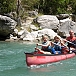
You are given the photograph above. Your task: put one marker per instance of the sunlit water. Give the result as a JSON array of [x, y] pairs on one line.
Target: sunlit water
[[12, 62]]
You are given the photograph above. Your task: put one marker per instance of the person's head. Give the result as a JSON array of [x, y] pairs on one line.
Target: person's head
[[71, 33], [44, 38], [57, 39]]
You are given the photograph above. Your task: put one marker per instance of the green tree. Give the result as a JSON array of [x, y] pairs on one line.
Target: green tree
[[55, 6], [30, 4], [72, 4], [7, 6], [44, 6]]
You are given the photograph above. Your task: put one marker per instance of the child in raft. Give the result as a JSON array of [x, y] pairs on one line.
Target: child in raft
[[59, 46], [48, 47], [44, 46], [56, 45]]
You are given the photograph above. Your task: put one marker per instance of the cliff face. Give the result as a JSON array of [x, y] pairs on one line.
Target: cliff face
[[7, 26]]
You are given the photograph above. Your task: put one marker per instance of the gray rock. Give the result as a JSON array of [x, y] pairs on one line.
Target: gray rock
[[36, 35], [48, 21], [62, 16], [7, 25], [33, 13], [66, 27]]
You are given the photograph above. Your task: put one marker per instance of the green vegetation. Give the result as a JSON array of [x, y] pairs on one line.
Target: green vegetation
[[43, 6], [7, 6], [18, 28]]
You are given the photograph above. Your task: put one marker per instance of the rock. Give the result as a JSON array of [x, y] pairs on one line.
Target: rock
[[21, 32], [36, 35], [13, 37], [28, 37], [62, 16], [48, 21], [64, 20], [16, 31], [33, 13], [49, 32], [7, 26], [66, 27], [33, 28]]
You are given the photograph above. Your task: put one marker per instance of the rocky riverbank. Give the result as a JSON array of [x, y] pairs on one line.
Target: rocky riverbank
[[28, 31]]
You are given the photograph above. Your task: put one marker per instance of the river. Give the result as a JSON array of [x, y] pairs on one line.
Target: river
[[12, 62]]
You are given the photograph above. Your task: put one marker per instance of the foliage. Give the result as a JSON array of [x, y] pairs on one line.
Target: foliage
[[44, 6], [58, 6], [7, 6], [18, 28], [30, 4]]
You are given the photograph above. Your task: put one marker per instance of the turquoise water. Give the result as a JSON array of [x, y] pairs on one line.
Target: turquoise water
[[12, 62]]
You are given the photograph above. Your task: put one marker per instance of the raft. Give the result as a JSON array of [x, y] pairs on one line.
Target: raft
[[38, 59]]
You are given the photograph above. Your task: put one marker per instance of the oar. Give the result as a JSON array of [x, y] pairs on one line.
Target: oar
[[69, 42], [35, 48], [74, 45]]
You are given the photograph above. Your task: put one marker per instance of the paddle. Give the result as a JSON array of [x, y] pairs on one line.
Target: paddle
[[36, 47], [71, 42], [73, 45]]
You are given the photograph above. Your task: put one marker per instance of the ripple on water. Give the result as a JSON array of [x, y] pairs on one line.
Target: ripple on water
[[3, 68]]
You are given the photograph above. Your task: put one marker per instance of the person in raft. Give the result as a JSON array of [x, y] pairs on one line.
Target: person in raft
[[59, 46], [72, 40], [45, 46], [48, 47], [64, 47], [56, 45]]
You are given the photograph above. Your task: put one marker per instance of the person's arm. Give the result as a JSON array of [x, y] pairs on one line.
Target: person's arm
[[44, 45], [39, 44]]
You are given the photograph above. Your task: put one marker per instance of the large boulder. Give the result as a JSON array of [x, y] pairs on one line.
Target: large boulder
[[66, 27], [48, 21], [36, 35], [7, 26]]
